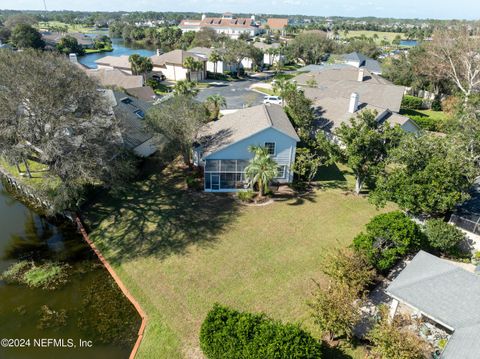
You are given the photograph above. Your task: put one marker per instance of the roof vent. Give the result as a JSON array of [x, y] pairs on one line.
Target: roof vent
[[361, 75]]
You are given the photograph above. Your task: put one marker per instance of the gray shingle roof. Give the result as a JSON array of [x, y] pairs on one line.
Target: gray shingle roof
[[446, 293], [242, 124], [364, 61], [176, 57], [134, 128], [355, 56]]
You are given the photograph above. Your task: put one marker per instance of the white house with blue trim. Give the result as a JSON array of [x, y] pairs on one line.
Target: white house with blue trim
[[222, 146]]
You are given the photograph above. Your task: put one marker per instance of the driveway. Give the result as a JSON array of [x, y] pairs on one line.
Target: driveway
[[237, 94]]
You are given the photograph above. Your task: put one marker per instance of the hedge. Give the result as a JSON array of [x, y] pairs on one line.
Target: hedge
[[428, 123], [412, 102], [230, 334]]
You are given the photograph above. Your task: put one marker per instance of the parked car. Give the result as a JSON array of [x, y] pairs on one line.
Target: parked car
[[276, 100], [159, 77]]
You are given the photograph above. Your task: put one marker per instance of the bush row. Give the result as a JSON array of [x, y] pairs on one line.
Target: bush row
[[391, 236], [230, 334]]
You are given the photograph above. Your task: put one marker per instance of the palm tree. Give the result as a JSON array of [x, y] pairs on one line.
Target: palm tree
[[216, 102], [190, 64], [140, 65], [184, 87], [215, 58], [261, 170]]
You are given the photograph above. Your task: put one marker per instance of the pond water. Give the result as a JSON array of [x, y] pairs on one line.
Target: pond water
[[408, 43], [91, 306], [120, 47]]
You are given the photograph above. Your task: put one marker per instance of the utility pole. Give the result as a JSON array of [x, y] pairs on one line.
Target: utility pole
[[45, 4]]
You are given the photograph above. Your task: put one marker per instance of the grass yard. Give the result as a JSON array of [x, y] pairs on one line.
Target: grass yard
[[39, 180], [435, 115], [382, 35], [179, 252], [44, 25]]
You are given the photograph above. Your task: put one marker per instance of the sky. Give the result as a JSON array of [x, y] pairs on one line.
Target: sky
[[437, 9]]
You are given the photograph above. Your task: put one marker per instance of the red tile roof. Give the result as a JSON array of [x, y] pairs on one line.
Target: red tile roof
[[277, 24]]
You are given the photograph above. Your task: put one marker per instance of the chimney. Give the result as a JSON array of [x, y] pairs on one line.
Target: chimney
[[353, 106], [361, 74], [73, 58], [159, 52], [204, 17]]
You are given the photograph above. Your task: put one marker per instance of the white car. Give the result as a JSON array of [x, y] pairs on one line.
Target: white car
[[276, 100]]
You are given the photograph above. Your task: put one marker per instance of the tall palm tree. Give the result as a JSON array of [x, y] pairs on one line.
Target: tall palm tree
[[216, 102], [190, 64], [215, 58], [140, 65], [261, 170]]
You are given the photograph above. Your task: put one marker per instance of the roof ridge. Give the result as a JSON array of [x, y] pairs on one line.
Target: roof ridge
[[268, 115]]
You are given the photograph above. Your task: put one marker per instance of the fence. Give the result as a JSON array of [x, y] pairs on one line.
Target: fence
[[466, 224]]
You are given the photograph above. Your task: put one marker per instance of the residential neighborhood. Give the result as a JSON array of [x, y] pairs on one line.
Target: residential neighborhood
[[239, 180]]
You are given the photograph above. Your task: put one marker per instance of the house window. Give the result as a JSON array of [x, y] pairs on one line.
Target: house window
[[270, 146], [281, 171], [140, 114]]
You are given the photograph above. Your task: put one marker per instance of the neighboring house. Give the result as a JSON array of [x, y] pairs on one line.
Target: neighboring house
[[131, 112], [446, 294], [222, 146], [271, 52], [340, 92], [115, 62], [171, 63], [358, 60], [277, 24], [53, 38], [115, 77], [227, 24], [221, 66]]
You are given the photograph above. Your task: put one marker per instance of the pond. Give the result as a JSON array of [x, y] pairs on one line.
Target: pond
[[89, 306], [120, 47], [409, 43]]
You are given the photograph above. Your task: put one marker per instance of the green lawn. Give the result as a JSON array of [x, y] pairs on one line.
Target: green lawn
[[436, 115], [382, 35], [179, 252], [43, 25], [39, 180]]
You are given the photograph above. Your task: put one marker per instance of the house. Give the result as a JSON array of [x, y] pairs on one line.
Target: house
[[222, 146], [221, 66], [271, 52], [115, 62], [115, 77], [131, 112], [340, 92], [467, 216], [53, 38], [227, 25], [446, 294], [277, 25], [358, 60], [170, 64]]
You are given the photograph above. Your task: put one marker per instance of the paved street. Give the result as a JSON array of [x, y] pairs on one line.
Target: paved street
[[237, 94]]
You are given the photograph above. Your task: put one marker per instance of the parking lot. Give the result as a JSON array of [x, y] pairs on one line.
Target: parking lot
[[237, 94]]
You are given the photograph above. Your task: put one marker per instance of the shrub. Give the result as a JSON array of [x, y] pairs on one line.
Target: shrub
[[14, 274], [350, 268], [436, 105], [427, 123], [388, 237], [230, 334], [411, 102], [246, 196], [443, 237], [392, 339]]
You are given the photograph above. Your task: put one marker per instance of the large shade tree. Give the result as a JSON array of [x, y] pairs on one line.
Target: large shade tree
[[25, 36], [427, 175], [53, 114], [179, 119], [365, 143]]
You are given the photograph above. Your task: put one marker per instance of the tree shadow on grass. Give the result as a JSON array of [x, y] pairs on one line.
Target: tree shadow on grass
[[156, 216], [331, 177]]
